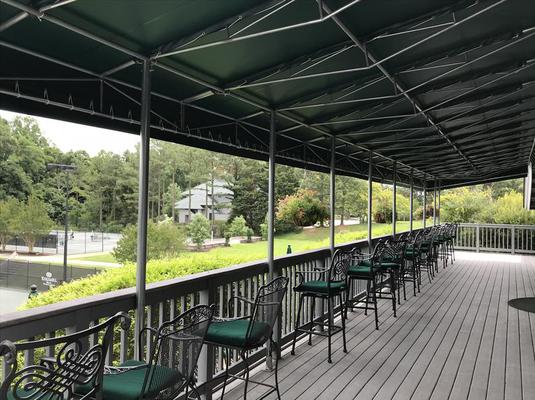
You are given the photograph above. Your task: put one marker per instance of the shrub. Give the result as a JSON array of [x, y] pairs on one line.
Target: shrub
[[125, 277], [300, 209], [250, 234], [199, 230], [164, 239], [238, 227]]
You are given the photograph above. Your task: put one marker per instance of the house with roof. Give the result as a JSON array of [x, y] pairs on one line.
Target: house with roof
[[207, 199]]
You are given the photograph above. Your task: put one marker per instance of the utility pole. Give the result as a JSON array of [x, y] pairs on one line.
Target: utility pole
[[67, 169]]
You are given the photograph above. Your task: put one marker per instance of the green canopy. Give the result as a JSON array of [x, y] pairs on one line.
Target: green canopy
[[443, 88]]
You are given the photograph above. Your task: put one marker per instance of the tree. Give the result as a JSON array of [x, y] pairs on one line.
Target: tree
[[464, 204], [199, 230], [249, 181], [238, 227], [350, 197], [164, 239], [8, 210], [32, 221], [301, 209]]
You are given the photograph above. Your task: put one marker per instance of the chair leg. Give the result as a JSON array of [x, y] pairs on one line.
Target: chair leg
[[348, 300], [297, 322], [414, 278], [403, 281], [368, 288], [374, 297], [276, 347], [343, 323], [227, 358], [312, 308], [243, 355], [193, 391], [329, 318], [393, 291]]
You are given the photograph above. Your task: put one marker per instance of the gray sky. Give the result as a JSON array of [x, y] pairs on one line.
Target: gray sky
[[68, 136]]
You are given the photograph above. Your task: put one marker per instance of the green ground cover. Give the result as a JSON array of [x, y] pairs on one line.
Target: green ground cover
[[101, 257]]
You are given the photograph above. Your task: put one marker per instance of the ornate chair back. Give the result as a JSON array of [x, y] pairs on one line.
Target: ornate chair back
[[79, 360]]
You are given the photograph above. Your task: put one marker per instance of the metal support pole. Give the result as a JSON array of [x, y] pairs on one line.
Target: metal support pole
[[66, 238], [435, 203], [142, 219], [424, 208], [271, 228], [411, 201], [332, 193], [370, 171], [438, 214], [394, 205], [271, 196]]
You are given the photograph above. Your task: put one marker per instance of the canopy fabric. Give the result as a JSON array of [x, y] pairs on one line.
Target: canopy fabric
[[445, 89]]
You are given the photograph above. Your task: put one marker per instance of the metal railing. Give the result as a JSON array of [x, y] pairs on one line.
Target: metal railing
[[167, 299], [497, 238]]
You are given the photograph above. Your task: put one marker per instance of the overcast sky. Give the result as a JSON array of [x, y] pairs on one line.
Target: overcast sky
[[68, 136]]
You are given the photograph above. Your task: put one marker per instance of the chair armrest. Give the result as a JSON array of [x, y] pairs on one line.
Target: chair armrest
[[48, 362], [110, 370], [300, 275], [221, 319]]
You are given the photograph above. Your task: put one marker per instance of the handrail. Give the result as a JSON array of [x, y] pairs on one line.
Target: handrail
[[509, 238]]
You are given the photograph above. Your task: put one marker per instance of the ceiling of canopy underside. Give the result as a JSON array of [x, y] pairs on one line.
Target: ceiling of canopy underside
[[446, 89]]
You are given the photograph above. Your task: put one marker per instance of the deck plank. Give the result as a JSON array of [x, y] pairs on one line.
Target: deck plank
[[527, 336], [469, 327], [457, 339], [478, 343]]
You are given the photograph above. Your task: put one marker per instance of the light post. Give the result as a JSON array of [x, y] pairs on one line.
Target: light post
[[67, 169]]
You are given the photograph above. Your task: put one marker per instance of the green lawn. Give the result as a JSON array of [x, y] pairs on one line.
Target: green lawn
[[307, 239], [103, 257], [310, 239]]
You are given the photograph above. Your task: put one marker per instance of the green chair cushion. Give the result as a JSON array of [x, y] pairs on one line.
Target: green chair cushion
[[128, 385], [234, 333], [390, 265], [359, 270], [321, 287]]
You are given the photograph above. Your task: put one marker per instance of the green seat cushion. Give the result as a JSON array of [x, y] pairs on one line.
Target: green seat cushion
[[320, 287], [234, 333], [359, 269], [128, 385], [390, 265], [23, 394]]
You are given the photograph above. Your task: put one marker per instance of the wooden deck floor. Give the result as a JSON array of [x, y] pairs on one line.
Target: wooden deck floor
[[458, 339]]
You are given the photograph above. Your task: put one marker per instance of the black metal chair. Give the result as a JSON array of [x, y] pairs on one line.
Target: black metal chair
[[394, 262], [251, 331], [329, 283], [79, 361], [172, 353], [412, 271], [367, 269]]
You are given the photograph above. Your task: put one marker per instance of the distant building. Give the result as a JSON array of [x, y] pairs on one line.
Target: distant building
[[201, 201]]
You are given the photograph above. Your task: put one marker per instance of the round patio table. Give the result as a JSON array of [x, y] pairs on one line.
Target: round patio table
[[524, 304]]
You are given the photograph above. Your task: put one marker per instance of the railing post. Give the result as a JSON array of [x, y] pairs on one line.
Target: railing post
[[477, 238], [513, 239]]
